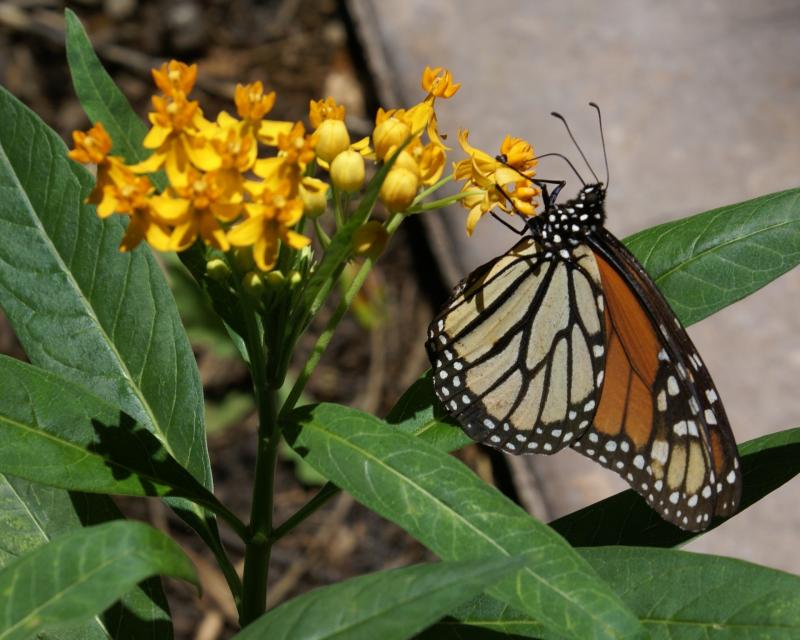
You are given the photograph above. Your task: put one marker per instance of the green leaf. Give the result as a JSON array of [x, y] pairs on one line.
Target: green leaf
[[77, 576], [419, 413], [386, 605], [767, 462], [676, 595], [100, 97], [104, 319], [57, 433], [33, 514], [444, 505], [706, 262]]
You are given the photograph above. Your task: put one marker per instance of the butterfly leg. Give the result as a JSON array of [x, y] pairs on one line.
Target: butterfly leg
[[519, 232], [549, 198]]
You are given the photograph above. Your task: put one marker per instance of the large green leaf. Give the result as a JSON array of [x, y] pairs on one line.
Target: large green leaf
[[33, 514], [388, 605], [444, 505], [102, 318], [76, 576], [57, 433], [767, 462], [705, 262], [677, 595]]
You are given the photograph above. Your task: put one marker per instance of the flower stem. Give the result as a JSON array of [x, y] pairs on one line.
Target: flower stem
[[425, 193], [258, 544], [329, 489], [324, 339], [443, 202], [322, 496]]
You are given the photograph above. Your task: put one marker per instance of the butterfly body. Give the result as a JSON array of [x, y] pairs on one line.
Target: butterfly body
[[565, 341]]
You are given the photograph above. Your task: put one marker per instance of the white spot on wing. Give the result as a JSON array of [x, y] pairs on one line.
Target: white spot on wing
[[672, 386], [660, 451]]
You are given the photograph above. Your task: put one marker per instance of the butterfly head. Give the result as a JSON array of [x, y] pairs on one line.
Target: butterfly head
[[592, 196], [566, 225]]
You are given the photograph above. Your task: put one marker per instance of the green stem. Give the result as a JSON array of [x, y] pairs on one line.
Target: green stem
[[323, 495], [324, 239], [228, 516], [228, 570], [442, 202], [258, 545], [325, 337], [329, 489], [425, 193], [337, 208]]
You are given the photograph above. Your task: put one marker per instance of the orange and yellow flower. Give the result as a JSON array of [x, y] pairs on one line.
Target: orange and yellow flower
[[198, 209], [504, 183], [246, 182], [268, 224]]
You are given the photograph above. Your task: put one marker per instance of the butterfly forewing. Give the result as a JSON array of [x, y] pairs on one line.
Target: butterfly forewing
[[518, 351], [659, 423]]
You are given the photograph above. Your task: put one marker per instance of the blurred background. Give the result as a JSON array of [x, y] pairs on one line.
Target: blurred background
[[700, 103]]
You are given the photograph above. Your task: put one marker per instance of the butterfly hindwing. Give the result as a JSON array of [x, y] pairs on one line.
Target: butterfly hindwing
[[518, 351], [659, 423]]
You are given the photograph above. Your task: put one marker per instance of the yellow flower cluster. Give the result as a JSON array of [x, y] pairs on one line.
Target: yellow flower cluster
[[418, 164], [242, 181], [209, 166], [504, 181]]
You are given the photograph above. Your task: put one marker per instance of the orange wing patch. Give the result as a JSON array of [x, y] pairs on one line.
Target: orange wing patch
[[631, 323], [631, 362]]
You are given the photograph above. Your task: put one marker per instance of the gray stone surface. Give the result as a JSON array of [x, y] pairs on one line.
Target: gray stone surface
[[701, 103]]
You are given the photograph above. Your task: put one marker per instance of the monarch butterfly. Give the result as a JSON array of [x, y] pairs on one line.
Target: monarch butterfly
[[565, 340]]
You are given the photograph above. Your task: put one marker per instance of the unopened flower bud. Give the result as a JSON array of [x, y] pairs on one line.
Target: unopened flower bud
[[332, 139], [405, 160], [314, 194], [348, 171], [274, 278], [399, 189], [370, 239], [253, 284], [295, 278], [389, 133], [218, 270]]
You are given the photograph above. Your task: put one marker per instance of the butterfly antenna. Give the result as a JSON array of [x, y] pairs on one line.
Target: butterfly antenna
[[565, 159], [555, 114], [603, 140]]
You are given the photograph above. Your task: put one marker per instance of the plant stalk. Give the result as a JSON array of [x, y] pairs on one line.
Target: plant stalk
[[258, 544]]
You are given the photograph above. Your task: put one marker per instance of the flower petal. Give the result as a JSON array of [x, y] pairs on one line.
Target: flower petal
[[156, 137], [247, 232]]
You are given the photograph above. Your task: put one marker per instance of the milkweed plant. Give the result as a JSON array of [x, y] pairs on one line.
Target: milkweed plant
[[266, 215]]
